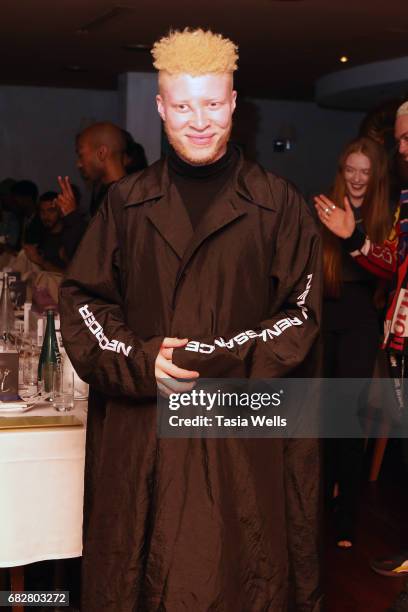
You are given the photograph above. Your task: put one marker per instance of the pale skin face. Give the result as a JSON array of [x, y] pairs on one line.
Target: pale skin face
[[401, 135], [356, 174], [197, 114]]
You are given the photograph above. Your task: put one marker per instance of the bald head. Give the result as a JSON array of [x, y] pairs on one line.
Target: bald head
[[105, 134], [100, 150]]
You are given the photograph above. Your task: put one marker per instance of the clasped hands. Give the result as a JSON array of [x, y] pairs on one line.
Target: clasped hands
[[167, 373]]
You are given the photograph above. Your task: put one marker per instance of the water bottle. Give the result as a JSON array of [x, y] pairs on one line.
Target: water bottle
[[50, 357]]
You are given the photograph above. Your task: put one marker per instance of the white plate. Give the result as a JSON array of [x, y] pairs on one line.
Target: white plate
[[22, 407]]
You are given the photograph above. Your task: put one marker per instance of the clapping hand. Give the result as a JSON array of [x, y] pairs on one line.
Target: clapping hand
[[341, 222]]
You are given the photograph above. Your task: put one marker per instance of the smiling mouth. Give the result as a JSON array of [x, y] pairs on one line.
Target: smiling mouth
[[201, 140]]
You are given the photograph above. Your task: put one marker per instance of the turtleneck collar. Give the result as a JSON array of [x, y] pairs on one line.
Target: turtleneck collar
[[184, 169]]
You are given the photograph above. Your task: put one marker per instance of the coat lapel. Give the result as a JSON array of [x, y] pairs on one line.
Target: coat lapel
[[165, 210], [170, 218], [227, 208]]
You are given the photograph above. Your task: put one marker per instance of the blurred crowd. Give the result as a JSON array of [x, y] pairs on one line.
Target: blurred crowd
[[39, 233]]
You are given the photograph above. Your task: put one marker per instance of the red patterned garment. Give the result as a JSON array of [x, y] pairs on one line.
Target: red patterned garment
[[389, 261]]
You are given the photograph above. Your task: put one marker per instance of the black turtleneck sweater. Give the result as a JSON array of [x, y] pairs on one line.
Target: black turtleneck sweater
[[198, 186]]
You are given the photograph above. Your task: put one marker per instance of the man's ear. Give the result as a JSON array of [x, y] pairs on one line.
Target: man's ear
[[160, 107], [234, 100], [102, 153]]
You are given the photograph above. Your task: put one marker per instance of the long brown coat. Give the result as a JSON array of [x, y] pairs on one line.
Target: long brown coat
[[194, 525]]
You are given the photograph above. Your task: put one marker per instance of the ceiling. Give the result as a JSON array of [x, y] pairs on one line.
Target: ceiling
[[285, 45]]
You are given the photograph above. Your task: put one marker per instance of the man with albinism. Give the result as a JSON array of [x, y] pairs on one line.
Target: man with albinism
[[183, 270]]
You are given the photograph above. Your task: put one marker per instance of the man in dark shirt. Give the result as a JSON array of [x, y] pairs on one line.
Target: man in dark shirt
[[63, 227], [61, 236], [100, 158]]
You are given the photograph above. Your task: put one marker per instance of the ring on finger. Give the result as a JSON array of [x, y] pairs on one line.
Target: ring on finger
[[327, 211]]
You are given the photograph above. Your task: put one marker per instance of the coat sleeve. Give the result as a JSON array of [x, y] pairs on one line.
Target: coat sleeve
[[379, 259], [74, 229], [280, 342], [103, 349]]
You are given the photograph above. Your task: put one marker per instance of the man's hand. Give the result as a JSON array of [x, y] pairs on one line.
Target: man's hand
[[167, 373], [66, 201], [341, 222]]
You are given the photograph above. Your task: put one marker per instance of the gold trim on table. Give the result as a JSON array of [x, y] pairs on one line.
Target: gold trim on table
[[39, 421]]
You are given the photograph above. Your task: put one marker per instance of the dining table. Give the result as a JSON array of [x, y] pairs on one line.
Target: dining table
[[42, 458]]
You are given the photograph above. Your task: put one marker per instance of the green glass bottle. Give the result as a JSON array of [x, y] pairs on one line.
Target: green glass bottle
[[50, 353], [6, 310]]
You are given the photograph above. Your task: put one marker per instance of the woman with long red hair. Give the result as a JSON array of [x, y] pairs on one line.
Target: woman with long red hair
[[350, 318]]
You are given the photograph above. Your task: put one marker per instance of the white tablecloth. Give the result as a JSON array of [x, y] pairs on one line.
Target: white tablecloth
[[41, 484]]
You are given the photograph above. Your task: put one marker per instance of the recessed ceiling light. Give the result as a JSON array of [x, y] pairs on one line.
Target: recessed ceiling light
[[137, 47], [344, 59]]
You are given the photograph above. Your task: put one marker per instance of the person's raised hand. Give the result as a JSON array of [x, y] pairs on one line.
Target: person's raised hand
[[167, 373], [66, 200], [341, 222]]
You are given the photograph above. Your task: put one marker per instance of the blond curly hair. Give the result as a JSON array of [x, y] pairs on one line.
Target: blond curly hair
[[195, 52], [403, 109]]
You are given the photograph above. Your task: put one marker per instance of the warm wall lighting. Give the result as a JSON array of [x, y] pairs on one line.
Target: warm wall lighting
[[344, 59]]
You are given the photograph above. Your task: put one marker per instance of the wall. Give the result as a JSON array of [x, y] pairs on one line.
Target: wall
[[318, 134], [138, 111], [38, 127]]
